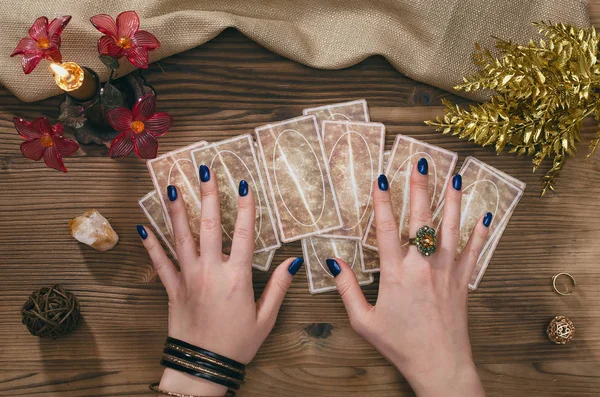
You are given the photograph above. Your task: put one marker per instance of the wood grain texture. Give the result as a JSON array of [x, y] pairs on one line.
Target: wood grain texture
[[228, 87]]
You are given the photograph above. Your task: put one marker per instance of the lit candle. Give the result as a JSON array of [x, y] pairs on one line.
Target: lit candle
[[79, 83]]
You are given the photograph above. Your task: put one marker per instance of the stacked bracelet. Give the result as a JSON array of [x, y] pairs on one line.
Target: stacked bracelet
[[193, 360]]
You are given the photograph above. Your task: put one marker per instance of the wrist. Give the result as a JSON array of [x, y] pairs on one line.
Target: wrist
[[456, 379], [179, 382]]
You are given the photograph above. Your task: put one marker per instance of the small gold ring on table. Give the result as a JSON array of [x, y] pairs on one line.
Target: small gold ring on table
[[425, 241], [154, 387], [554, 283]]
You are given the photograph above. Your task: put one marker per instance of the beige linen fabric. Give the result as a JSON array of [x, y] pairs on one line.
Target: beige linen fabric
[[427, 40]]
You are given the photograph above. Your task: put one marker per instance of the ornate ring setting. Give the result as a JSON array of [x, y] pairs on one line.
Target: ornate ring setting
[[425, 241]]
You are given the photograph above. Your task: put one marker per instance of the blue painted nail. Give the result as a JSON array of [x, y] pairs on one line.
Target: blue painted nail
[[333, 266], [383, 182], [487, 219], [422, 166], [142, 232], [204, 173], [457, 182], [172, 192], [243, 188], [295, 266]]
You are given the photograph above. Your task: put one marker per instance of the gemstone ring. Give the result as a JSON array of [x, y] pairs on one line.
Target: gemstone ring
[[425, 240]]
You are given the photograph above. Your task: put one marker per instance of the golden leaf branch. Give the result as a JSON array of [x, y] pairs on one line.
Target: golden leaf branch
[[542, 93]]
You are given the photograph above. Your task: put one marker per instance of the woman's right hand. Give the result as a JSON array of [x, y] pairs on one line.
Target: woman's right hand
[[211, 300], [420, 320]]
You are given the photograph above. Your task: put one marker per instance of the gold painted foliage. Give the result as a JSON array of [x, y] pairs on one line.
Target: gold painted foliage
[[542, 93]]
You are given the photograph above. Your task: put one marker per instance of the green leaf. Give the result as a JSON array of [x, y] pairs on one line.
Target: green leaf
[[110, 62], [111, 98]]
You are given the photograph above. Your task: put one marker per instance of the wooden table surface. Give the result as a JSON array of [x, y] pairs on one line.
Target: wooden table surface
[[228, 87]]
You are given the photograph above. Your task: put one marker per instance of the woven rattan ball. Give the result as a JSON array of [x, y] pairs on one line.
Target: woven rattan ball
[[51, 312], [560, 330]]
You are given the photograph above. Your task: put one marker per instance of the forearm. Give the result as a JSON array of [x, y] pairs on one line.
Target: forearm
[[178, 382], [458, 380]]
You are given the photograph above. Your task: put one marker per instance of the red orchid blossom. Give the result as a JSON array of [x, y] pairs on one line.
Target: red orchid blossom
[[43, 42], [44, 140], [124, 38], [139, 128]]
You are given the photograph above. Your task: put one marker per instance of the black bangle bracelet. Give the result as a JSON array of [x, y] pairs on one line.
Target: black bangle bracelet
[[210, 378], [199, 361], [203, 357], [216, 356]]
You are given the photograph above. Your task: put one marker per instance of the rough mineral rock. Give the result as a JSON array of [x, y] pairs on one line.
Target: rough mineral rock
[[93, 229]]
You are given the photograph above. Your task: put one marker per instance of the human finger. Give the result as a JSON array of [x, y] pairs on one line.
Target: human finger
[[386, 227], [420, 200], [470, 254], [243, 236], [211, 240], [163, 266], [185, 246], [267, 307], [450, 228], [347, 285]]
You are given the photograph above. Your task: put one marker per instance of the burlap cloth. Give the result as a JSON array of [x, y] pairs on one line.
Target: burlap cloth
[[428, 40]]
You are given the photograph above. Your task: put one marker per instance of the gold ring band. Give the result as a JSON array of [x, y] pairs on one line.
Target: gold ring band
[[554, 283]]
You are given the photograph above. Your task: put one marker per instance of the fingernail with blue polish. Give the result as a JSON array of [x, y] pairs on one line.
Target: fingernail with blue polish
[[204, 173], [487, 219], [243, 188], [142, 232], [382, 181], [172, 192], [457, 182], [295, 266], [333, 266], [422, 166]]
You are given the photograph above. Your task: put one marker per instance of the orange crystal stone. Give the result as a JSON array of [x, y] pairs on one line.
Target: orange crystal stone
[[427, 241]]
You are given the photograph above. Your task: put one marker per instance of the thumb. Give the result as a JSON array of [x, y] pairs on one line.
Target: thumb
[[347, 285], [271, 299]]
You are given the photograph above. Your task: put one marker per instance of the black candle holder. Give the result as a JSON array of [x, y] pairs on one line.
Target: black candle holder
[[88, 118]]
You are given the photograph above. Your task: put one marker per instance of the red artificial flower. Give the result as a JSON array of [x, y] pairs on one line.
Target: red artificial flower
[[44, 140], [124, 38], [43, 43], [139, 128]]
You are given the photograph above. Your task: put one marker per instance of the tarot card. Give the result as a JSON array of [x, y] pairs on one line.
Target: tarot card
[[177, 168], [485, 189], [317, 249], [405, 152], [355, 155], [232, 160], [345, 111], [370, 261], [152, 207], [299, 181], [262, 260], [386, 157]]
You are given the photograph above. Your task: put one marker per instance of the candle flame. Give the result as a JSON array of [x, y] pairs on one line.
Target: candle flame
[[68, 75], [59, 70]]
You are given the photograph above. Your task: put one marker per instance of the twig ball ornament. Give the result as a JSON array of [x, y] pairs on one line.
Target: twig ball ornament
[[51, 312], [560, 330]]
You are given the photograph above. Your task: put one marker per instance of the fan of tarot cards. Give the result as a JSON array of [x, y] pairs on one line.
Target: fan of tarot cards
[[312, 177]]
